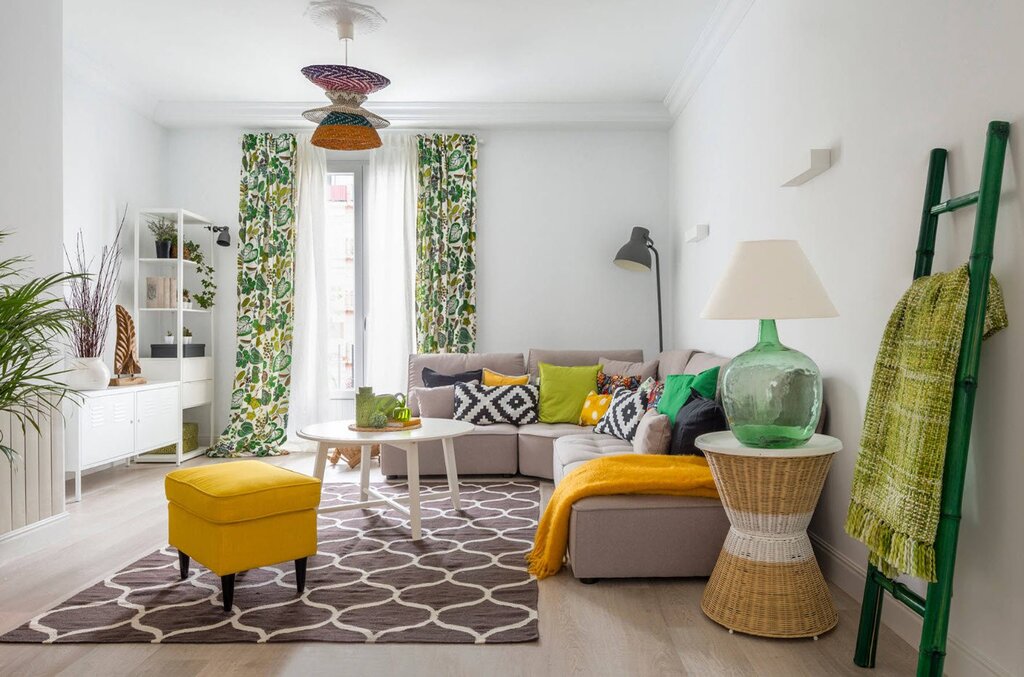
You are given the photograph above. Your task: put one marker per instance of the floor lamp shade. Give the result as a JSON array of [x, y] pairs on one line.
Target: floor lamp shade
[[771, 393]]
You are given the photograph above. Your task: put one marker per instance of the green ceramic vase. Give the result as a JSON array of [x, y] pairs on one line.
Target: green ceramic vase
[[366, 406], [771, 394]]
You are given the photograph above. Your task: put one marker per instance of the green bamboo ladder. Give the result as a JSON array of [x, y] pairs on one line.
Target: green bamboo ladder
[[934, 607]]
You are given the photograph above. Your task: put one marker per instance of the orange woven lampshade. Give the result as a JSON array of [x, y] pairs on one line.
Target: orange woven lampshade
[[346, 137]]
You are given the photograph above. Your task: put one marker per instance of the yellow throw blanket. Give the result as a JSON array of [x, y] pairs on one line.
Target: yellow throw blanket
[[607, 476]]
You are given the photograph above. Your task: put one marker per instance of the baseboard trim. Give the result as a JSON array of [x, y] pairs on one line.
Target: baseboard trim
[[21, 531], [849, 576]]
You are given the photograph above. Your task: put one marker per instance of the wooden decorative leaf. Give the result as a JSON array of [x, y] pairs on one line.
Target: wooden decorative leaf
[[126, 356]]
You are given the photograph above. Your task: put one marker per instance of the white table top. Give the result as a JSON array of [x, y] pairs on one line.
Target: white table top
[[726, 443], [432, 429]]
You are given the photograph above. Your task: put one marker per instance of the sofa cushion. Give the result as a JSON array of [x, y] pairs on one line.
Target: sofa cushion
[[594, 407], [432, 402], [699, 362], [679, 388], [487, 405], [609, 383], [643, 370], [436, 379], [698, 416], [563, 390], [452, 363], [653, 435], [673, 362], [624, 414], [553, 430], [571, 450], [493, 378], [576, 358]]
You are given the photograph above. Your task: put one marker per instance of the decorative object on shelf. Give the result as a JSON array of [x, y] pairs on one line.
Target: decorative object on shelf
[[92, 295], [771, 393], [169, 337], [186, 299], [161, 292], [636, 255], [33, 325], [186, 336], [266, 298], [165, 234], [170, 350], [204, 270], [344, 124], [126, 353], [446, 244]]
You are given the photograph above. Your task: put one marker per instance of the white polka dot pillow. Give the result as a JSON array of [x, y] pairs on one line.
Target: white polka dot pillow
[[623, 415], [594, 407]]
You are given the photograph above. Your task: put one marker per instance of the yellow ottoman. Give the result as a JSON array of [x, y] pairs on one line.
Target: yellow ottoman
[[241, 515]]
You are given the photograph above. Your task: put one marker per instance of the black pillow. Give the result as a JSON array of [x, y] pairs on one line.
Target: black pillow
[[432, 379], [698, 416]]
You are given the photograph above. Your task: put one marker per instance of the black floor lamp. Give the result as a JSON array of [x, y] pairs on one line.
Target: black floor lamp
[[634, 255]]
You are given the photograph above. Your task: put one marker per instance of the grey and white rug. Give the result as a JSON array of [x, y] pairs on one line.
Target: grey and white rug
[[465, 582]]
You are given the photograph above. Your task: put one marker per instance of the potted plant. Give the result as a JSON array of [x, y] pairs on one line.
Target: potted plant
[[165, 233], [186, 336], [186, 299], [33, 324], [91, 296], [203, 299], [169, 337]]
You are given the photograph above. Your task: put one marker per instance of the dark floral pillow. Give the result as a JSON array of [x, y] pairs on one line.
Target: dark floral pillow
[[609, 383], [654, 395]]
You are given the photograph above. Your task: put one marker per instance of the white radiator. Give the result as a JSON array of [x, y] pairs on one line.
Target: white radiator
[[31, 488]]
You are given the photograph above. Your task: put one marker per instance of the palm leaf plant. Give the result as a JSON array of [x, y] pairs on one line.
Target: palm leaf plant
[[34, 323]]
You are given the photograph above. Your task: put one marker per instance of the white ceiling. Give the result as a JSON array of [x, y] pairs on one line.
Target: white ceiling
[[489, 51]]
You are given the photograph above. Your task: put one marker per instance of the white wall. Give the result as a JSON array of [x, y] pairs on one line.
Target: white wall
[[881, 83], [30, 173], [554, 208], [112, 159]]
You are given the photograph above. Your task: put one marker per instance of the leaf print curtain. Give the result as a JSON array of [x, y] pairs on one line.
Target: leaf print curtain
[[266, 259], [446, 244]]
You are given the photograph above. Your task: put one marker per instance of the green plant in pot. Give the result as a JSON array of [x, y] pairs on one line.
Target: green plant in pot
[[165, 234], [33, 323]]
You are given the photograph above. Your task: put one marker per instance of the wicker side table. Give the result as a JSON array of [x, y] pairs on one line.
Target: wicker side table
[[766, 581]]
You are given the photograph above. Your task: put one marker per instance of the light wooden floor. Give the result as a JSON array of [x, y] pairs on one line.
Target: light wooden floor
[[646, 627]]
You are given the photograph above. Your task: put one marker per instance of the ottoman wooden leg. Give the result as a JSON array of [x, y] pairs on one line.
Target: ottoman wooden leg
[[300, 574], [227, 587], [183, 561]]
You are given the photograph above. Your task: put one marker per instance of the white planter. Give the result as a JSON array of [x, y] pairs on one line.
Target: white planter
[[187, 305], [169, 340], [186, 340], [87, 373]]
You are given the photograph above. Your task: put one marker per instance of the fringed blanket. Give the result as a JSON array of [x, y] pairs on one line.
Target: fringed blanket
[[897, 480]]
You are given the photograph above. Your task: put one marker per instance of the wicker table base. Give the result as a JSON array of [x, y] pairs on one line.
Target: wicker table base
[[766, 581]]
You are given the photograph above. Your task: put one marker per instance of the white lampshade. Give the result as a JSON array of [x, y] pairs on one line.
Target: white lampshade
[[768, 280]]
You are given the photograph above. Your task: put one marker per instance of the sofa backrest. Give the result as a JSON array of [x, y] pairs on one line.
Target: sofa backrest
[[453, 363], [699, 362], [577, 358]]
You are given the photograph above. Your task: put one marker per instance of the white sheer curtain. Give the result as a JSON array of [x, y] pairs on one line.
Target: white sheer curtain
[[390, 231], [309, 402]]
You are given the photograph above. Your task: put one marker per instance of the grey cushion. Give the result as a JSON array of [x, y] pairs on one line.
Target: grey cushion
[[653, 434], [535, 446], [453, 363], [432, 402], [672, 362], [699, 362], [571, 450], [577, 358], [642, 369]]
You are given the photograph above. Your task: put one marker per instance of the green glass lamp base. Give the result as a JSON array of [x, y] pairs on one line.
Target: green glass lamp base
[[772, 394]]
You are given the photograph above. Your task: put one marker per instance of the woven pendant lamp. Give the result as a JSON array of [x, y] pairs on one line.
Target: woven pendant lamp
[[345, 124]]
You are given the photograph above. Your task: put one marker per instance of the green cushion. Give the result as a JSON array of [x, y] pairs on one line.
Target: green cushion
[[678, 386], [563, 391]]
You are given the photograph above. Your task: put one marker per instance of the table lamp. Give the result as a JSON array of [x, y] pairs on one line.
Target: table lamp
[[771, 394]]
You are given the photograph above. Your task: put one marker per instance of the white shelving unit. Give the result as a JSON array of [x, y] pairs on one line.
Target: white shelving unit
[[195, 374]]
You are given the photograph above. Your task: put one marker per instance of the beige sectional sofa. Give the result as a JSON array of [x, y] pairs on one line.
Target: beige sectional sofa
[[610, 536]]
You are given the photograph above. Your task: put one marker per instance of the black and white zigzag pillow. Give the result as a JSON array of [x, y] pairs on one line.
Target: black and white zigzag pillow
[[623, 415], [485, 405]]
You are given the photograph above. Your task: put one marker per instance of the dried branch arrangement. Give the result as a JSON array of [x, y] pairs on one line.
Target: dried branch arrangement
[[92, 294]]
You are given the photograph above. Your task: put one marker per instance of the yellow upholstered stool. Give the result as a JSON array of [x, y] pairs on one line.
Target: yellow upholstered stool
[[241, 515]]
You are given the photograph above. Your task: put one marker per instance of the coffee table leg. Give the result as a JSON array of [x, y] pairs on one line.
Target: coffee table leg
[[453, 474], [412, 455], [320, 465], [364, 472]]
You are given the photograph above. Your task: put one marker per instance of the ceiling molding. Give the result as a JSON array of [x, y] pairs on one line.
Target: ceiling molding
[[650, 115], [724, 20]]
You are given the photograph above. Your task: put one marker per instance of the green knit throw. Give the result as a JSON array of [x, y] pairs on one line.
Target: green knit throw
[[897, 480]]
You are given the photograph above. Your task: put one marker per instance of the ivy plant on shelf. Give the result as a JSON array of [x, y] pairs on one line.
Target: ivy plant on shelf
[[205, 271]]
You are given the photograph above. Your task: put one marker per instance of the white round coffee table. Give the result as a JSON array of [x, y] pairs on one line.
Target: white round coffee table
[[337, 433]]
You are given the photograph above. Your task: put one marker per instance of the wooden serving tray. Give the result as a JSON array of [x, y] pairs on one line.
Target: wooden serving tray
[[391, 427]]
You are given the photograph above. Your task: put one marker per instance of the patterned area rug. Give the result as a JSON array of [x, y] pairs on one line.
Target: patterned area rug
[[465, 582]]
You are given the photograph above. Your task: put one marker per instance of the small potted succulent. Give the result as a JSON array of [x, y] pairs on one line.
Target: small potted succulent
[[165, 233], [186, 336], [169, 337], [186, 299]]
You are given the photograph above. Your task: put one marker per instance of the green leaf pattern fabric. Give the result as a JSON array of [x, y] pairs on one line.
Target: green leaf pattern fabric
[[446, 244], [266, 261]]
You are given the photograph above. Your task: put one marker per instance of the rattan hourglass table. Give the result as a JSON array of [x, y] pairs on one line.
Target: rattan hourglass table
[[766, 581]]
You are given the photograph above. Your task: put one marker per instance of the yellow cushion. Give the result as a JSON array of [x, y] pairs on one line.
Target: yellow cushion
[[493, 378], [594, 408], [236, 491]]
